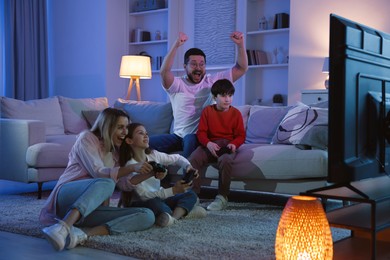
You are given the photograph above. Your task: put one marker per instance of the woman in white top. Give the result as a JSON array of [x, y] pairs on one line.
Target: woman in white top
[[79, 197], [168, 204]]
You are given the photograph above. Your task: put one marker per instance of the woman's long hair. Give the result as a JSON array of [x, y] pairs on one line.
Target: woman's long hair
[[105, 124]]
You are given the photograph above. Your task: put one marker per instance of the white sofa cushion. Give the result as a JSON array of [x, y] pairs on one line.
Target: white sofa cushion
[[298, 122], [262, 123], [74, 121], [47, 110]]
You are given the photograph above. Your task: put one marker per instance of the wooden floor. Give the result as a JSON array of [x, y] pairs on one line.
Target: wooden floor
[[358, 248]]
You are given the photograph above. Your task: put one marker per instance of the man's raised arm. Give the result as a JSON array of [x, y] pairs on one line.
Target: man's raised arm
[[167, 76], [241, 65]]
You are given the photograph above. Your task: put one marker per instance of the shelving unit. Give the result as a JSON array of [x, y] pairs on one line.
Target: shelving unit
[[152, 21], [265, 80], [312, 96], [366, 209]]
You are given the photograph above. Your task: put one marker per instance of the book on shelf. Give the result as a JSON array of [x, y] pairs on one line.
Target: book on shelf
[[256, 57]]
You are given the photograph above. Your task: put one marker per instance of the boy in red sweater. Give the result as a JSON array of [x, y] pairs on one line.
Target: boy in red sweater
[[221, 132]]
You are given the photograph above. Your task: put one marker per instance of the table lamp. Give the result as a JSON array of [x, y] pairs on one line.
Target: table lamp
[[135, 67], [325, 69], [303, 231]]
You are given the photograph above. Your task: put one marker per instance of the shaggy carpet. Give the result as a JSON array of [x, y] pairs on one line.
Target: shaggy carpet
[[242, 231]]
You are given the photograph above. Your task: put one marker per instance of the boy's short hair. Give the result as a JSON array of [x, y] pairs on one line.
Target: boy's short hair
[[193, 51], [222, 87]]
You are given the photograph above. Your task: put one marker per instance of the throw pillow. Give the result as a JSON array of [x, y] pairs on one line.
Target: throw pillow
[[47, 110], [91, 116], [74, 121], [297, 123], [262, 123], [316, 137], [155, 116], [245, 113]]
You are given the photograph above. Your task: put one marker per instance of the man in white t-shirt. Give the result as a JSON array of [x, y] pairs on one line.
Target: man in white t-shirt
[[190, 93]]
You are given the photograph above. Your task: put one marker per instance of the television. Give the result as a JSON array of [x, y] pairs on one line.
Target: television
[[359, 102]]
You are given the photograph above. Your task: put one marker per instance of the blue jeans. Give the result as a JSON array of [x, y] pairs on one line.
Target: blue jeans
[[87, 196], [185, 200], [170, 143]]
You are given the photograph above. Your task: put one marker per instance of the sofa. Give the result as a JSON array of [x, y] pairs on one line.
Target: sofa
[[285, 149]]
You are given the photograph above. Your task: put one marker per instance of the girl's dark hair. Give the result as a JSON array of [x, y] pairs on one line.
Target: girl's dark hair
[[105, 124], [126, 153], [193, 51], [222, 87]]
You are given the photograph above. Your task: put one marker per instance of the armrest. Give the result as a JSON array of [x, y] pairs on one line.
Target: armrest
[[16, 135]]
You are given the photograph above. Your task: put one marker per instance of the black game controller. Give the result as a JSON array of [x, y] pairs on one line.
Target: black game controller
[[223, 150], [189, 176], [157, 167]]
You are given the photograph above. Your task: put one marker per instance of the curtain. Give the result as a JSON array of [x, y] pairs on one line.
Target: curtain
[[216, 44], [26, 49]]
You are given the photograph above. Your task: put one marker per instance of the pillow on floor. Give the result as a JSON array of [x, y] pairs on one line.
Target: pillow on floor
[[297, 123]]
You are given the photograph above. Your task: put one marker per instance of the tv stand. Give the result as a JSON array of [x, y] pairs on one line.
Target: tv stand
[[365, 210]]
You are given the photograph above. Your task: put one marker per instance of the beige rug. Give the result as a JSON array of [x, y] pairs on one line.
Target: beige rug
[[243, 231]]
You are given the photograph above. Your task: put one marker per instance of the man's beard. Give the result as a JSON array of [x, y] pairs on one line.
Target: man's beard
[[199, 76]]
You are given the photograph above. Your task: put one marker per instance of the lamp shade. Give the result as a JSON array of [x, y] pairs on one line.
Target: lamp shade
[[325, 66], [135, 66], [303, 231]]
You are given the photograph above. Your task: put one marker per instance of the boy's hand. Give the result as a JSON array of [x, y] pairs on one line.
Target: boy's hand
[[213, 148], [232, 147]]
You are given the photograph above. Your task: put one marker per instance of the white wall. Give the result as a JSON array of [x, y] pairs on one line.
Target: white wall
[[309, 36], [87, 40]]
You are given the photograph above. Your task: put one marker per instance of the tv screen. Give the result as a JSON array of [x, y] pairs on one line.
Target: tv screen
[[359, 87]]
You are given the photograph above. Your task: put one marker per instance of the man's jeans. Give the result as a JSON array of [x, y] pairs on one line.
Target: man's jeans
[[170, 143]]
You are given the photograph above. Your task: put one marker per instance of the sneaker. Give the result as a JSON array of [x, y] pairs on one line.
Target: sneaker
[[197, 212], [164, 220], [76, 237], [219, 203], [57, 234]]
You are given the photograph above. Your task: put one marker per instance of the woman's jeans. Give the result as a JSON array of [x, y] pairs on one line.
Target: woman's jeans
[[87, 196], [185, 200]]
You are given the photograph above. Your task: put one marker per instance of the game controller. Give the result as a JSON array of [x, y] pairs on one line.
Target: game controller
[[157, 167], [223, 150], [189, 176]]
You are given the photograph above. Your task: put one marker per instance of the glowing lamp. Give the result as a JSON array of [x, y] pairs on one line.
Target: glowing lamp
[[135, 67], [303, 231]]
